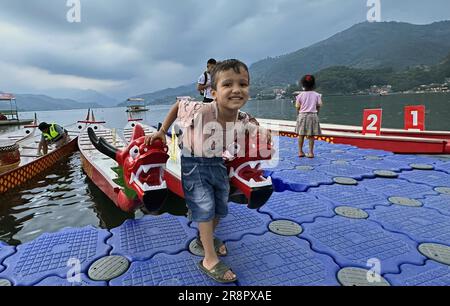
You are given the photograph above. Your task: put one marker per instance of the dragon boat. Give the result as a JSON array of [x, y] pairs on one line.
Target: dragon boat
[[150, 171], [19, 161]]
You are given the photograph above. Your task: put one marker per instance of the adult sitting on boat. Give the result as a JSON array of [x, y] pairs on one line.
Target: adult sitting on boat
[[52, 134]]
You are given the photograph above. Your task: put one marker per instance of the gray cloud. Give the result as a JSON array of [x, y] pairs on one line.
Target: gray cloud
[[129, 47]]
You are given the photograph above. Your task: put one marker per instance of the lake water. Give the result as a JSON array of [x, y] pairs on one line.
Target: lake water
[[65, 197]]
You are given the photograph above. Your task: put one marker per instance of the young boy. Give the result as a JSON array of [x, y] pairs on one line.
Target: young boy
[[204, 175]]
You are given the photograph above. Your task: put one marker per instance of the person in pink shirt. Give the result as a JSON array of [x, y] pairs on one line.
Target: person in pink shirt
[[308, 104]]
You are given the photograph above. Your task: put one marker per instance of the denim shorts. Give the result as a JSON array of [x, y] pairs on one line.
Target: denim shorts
[[206, 187]]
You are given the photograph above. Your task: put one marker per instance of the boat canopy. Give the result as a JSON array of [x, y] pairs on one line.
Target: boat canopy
[[6, 97]]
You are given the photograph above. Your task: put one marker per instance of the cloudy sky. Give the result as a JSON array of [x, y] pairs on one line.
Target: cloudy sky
[[128, 47]]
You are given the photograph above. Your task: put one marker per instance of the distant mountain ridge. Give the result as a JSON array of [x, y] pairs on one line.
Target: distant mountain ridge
[[31, 102], [363, 46], [167, 96]]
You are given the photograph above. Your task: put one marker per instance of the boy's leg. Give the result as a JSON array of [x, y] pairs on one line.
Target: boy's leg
[[207, 237], [301, 141], [223, 248]]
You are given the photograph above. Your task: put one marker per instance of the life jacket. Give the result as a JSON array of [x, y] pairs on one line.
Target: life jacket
[[54, 135]]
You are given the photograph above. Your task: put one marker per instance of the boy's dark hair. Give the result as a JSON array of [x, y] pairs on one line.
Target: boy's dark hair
[[308, 82], [212, 61], [226, 65]]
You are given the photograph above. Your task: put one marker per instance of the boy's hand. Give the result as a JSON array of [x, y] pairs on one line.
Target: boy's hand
[[149, 139]]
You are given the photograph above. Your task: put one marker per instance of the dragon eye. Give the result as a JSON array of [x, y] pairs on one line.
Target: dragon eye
[[134, 152]]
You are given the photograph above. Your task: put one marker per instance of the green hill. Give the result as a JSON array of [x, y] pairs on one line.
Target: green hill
[[364, 46]]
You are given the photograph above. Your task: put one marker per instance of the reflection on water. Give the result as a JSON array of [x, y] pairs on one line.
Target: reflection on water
[[62, 197], [65, 197]]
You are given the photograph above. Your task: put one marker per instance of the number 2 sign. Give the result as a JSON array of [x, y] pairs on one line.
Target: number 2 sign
[[415, 117], [372, 121]]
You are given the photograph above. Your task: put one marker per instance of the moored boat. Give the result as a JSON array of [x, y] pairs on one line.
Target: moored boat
[[247, 182], [19, 159], [130, 174]]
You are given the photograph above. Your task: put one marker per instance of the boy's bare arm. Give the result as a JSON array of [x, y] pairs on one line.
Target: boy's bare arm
[[161, 134]]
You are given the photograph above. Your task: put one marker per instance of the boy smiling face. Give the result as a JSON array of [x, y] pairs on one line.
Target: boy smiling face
[[232, 89]]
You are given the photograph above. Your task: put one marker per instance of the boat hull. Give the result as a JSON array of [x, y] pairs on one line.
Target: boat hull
[[17, 177]]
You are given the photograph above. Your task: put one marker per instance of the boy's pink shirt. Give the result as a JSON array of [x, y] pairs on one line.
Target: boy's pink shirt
[[308, 101], [187, 118]]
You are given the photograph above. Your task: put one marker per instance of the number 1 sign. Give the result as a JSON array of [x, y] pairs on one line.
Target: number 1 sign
[[415, 117], [372, 121]]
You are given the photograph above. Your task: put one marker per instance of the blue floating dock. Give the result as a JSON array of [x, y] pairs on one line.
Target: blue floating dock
[[353, 196], [430, 178], [431, 274], [165, 270], [143, 238], [421, 224], [297, 207], [158, 246], [50, 255], [272, 260], [352, 243]]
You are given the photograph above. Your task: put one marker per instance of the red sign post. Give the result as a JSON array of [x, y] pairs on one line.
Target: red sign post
[[372, 121], [415, 117]]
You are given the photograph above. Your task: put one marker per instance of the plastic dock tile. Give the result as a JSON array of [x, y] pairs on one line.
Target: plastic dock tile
[[431, 274], [346, 171], [420, 224], [5, 251], [444, 167], [431, 178], [370, 152], [241, 221], [345, 155], [49, 255], [298, 207], [64, 282], [353, 243], [397, 188], [166, 270], [415, 159], [304, 161], [143, 238], [275, 166], [298, 180], [353, 196], [382, 164], [272, 260], [439, 202]]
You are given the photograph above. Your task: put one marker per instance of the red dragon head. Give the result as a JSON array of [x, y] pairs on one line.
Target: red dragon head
[[246, 175], [143, 166]]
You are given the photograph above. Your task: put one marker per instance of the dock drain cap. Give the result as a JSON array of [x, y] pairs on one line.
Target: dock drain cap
[[436, 252], [285, 228], [385, 173], [5, 283], [373, 157], [345, 181], [108, 268], [422, 166], [443, 190], [351, 212], [305, 168], [360, 277], [405, 202]]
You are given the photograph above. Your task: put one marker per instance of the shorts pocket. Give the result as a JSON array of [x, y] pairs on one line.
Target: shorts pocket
[[189, 170]]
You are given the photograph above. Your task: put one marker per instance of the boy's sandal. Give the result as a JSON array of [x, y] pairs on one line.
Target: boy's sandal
[[218, 272], [217, 245], [310, 155], [301, 155]]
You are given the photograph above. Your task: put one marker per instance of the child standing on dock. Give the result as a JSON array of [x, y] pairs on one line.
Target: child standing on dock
[[308, 104], [204, 174]]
